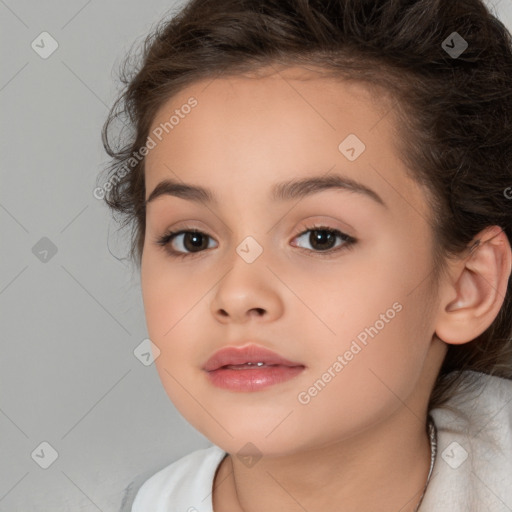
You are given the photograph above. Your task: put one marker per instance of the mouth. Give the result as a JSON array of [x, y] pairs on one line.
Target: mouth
[[250, 368], [246, 357], [247, 366]]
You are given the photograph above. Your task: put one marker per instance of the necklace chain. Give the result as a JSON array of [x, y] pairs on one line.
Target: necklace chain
[[432, 433]]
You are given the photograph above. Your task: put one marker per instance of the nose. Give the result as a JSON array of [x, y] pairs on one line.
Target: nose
[[247, 292]]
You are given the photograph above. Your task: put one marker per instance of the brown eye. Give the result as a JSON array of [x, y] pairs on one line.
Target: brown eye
[[324, 239], [182, 243], [187, 243], [194, 241]]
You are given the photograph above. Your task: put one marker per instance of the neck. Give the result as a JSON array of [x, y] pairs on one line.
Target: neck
[[388, 465]]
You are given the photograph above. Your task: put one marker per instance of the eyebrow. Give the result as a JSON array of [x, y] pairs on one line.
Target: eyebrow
[[283, 191]]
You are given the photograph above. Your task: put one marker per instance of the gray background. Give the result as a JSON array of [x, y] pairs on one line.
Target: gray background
[[72, 320]]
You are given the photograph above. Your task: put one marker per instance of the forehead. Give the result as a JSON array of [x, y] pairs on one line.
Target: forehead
[[306, 92], [248, 132]]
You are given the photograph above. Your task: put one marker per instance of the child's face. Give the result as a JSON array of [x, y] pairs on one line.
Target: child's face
[[244, 136]]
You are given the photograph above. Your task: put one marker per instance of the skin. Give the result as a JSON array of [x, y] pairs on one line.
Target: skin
[[362, 440]]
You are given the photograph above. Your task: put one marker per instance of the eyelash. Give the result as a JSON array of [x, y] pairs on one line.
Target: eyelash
[[165, 240]]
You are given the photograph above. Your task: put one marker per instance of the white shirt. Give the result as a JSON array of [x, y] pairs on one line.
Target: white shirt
[[472, 470]]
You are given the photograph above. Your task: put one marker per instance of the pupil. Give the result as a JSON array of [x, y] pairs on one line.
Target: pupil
[[197, 241], [321, 236]]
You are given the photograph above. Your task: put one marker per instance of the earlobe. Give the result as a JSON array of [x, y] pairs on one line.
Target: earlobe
[[480, 282]]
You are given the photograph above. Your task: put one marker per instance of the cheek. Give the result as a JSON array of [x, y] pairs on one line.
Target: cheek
[[169, 311], [168, 296], [377, 377], [348, 294], [174, 304], [377, 312]]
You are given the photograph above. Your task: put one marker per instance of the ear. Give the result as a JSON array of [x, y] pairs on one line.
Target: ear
[[474, 295]]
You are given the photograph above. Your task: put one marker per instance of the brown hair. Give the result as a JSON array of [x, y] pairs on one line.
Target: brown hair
[[453, 112]]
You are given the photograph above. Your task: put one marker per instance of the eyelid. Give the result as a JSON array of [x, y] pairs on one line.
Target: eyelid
[[327, 222]]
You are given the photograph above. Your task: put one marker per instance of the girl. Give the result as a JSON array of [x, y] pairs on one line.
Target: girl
[[321, 201]]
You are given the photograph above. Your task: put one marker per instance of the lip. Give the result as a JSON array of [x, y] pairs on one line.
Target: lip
[[276, 368], [247, 354]]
